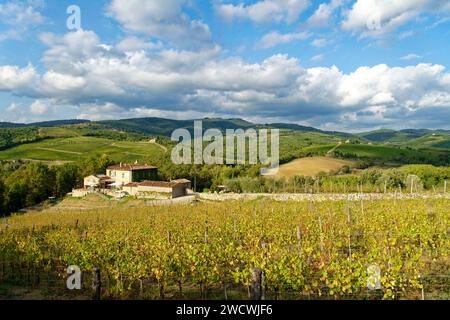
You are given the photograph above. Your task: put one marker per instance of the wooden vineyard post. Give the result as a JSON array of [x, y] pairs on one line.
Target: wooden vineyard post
[[349, 220], [362, 204], [445, 186], [349, 217], [299, 238], [234, 229], [97, 284], [206, 231], [256, 284], [321, 234]]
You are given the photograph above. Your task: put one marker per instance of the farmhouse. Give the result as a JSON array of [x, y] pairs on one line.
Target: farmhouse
[[127, 173], [133, 179], [99, 181]]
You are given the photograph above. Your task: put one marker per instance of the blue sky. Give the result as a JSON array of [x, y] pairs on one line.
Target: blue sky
[[338, 64]]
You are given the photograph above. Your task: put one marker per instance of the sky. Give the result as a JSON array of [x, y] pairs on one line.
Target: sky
[[349, 65]]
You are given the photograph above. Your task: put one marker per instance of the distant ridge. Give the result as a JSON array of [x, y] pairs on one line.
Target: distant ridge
[[52, 123], [292, 126], [155, 126]]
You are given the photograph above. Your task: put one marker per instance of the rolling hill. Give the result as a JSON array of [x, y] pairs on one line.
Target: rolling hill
[[81, 147], [415, 138], [42, 124], [311, 166], [70, 140]]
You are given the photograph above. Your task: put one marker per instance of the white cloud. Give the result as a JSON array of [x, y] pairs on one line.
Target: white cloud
[[13, 108], [103, 111], [18, 18], [110, 111], [382, 98], [135, 44], [14, 79], [274, 38], [39, 107], [161, 19], [264, 11], [378, 17], [104, 82], [67, 51], [59, 82], [411, 56], [317, 58], [406, 34], [319, 43], [323, 14]]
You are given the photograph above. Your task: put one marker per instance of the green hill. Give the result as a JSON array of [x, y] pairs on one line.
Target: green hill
[[387, 154], [165, 127], [415, 138], [81, 147], [42, 124], [49, 140], [386, 135]]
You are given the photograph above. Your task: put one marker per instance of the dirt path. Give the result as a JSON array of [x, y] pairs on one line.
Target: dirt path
[[334, 148], [154, 143], [159, 145]]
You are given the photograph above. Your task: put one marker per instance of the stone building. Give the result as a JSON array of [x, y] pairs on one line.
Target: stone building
[[147, 188], [127, 173], [99, 181]]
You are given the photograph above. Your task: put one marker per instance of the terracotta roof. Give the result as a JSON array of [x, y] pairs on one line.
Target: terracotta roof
[[131, 184], [158, 184], [103, 177], [130, 167], [162, 184], [182, 181]]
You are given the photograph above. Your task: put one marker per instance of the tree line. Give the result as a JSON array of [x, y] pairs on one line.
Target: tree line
[[25, 184], [415, 178]]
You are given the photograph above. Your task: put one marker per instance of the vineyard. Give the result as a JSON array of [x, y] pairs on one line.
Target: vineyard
[[298, 250]]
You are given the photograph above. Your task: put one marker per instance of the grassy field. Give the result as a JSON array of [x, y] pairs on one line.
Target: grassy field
[[376, 151], [95, 202], [74, 142], [431, 141], [311, 166], [77, 148]]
